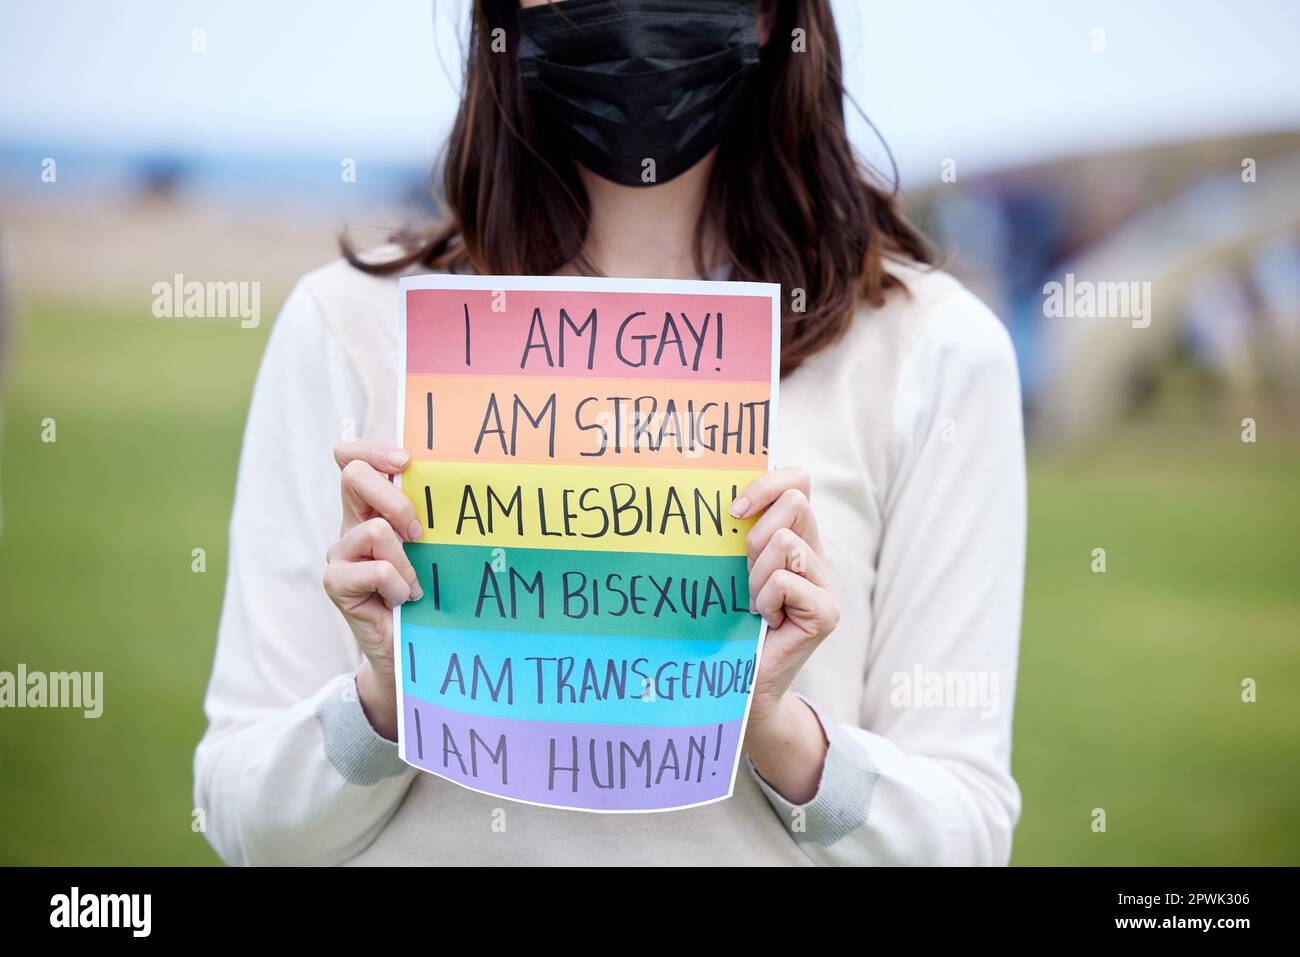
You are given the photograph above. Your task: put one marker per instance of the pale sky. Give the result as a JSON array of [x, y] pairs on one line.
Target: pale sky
[[983, 82]]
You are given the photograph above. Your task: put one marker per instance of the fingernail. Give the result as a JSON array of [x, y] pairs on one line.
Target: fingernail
[[739, 507], [415, 532], [398, 458], [416, 592]]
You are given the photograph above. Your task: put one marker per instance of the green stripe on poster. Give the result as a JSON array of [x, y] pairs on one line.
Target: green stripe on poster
[[582, 592]]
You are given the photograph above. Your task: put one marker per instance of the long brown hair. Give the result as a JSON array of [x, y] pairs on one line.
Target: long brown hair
[[788, 202]]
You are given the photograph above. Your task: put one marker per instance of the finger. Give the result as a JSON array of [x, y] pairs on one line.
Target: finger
[[793, 511], [350, 583], [787, 595], [380, 456], [375, 538], [367, 493], [767, 488], [786, 550], [377, 618]]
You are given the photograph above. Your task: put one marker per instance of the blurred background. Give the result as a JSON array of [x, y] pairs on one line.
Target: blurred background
[[1105, 141]]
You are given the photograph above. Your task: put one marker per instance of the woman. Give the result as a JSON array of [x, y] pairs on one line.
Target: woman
[[888, 555]]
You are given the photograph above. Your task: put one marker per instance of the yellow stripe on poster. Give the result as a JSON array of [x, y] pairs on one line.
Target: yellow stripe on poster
[[588, 508]]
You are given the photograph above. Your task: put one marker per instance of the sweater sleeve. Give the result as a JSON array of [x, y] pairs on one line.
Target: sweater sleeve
[[289, 770], [924, 778]]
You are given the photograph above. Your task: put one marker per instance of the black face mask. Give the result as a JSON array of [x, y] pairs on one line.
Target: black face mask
[[632, 80]]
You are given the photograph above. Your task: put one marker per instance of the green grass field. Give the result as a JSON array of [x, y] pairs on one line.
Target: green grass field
[[1130, 683]]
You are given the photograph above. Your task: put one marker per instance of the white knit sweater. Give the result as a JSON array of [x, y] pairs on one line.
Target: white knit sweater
[[910, 427]]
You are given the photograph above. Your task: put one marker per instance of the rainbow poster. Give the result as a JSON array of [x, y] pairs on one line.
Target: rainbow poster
[[584, 640]]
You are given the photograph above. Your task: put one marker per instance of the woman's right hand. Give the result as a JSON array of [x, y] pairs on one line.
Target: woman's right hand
[[367, 573]]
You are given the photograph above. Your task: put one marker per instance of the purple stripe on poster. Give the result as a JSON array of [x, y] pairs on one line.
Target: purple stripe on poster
[[590, 766]]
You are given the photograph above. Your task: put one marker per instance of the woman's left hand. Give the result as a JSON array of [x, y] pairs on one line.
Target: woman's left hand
[[789, 587]]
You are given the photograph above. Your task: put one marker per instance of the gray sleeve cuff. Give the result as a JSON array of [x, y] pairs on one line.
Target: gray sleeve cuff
[[843, 798], [356, 750]]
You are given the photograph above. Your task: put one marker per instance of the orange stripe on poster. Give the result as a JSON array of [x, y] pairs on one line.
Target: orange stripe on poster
[[666, 424]]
